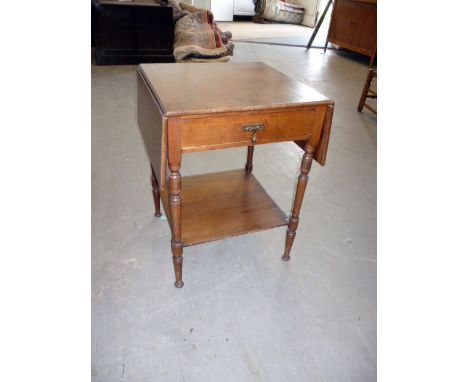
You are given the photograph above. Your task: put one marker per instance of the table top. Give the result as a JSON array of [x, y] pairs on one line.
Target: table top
[[199, 88]]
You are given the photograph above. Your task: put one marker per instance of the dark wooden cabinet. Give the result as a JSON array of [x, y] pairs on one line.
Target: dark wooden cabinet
[[353, 25], [132, 32]]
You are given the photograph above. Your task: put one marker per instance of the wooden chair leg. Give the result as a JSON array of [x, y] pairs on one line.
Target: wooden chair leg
[[249, 164], [365, 90], [156, 195], [306, 164]]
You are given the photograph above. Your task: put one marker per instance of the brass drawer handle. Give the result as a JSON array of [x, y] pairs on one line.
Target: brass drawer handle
[[253, 129]]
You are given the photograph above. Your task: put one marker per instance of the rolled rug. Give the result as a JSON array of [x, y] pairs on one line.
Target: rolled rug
[[280, 11], [197, 37]]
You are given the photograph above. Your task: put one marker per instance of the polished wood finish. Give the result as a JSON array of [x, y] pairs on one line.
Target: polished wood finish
[[300, 190], [249, 163], [367, 92], [132, 32], [153, 127], [320, 153], [174, 160], [278, 126], [198, 107], [224, 204], [226, 87], [353, 25], [156, 194]]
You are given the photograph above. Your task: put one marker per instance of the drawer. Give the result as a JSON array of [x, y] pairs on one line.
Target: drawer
[[247, 128]]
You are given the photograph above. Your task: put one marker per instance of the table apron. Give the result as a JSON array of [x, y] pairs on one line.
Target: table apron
[[201, 133]]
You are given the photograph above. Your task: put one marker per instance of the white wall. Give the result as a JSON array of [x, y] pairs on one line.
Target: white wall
[[311, 7], [223, 10], [205, 4]]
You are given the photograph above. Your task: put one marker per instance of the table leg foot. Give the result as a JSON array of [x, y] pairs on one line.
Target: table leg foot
[[178, 261], [290, 235]]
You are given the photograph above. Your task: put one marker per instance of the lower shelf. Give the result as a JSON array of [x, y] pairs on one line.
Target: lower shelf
[[224, 204]]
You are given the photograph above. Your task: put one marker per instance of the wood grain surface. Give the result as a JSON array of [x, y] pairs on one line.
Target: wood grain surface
[[224, 204], [220, 86], [198, 107], [353, 25]]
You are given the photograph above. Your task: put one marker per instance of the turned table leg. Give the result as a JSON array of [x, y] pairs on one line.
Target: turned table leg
[[248, 164], [156, 195], [175, 206], [300, 190]]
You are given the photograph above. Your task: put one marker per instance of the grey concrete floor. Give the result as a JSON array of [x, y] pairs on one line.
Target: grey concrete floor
[[243, 315]]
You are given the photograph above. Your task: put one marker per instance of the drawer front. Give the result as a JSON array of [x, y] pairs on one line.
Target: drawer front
[[242, 129]]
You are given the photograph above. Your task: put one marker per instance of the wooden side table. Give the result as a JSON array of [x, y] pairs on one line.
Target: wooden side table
[[185, 108]]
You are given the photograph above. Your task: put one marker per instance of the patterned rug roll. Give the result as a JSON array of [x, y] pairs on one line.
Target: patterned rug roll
[[279, 11], [197, 38]]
